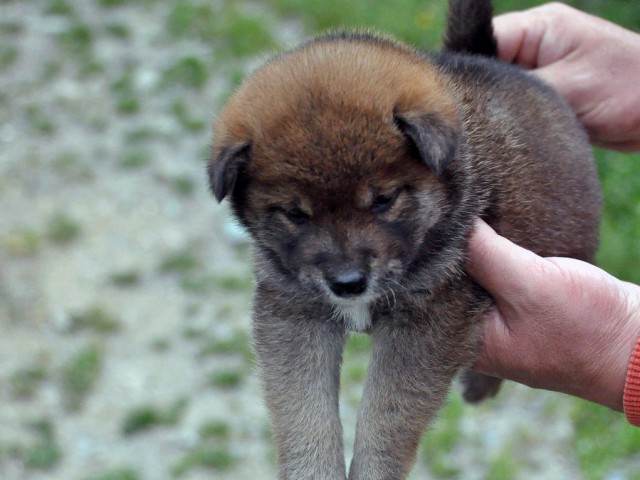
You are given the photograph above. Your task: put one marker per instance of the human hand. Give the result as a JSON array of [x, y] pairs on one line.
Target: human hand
[[592, 63], [559, 324]]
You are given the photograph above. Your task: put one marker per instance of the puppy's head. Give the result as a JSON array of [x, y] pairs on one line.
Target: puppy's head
[[336, 157]]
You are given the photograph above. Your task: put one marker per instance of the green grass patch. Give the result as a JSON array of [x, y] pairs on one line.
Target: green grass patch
[[126, 278], [236, 344], [190, 72], [135, 158], [358, 343], [24, 242], [118, 30], [96, 319], [11, 28], [182, 185], [147, 417], [619, 253], [233, 32], [142, 134], [185, 119], [25, 382], [8, 57], [604, 442], [502, 466], [126, 96], [242, 35], [114, 3], [122, 473], [227, 379], [59, 7], [68, 165], [415, 21], [79, 375], [179, 262], [62, 229], [38, 121], [77, 41], [45, 453], [442, 438], [208, 456], [215, 430], [192, 20], [211, 452], [235, 283], [160, 345]]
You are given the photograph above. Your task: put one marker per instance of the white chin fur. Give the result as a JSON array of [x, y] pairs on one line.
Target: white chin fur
[[356, 316]]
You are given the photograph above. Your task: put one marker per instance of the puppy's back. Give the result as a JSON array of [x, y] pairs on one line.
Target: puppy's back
[[526, 144]]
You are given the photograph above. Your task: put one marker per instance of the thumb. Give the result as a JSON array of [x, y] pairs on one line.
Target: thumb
[[504, 269]]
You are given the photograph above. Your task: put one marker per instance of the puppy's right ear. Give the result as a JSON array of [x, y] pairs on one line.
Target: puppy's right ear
[[224, 167]]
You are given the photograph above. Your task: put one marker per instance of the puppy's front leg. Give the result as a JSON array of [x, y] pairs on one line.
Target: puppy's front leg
[[299, 350], [411, 369]]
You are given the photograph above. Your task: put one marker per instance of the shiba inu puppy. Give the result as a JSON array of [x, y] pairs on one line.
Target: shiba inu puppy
[[358, 165]]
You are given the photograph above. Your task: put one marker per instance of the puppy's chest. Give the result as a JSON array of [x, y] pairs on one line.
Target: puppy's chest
[[362, 317]]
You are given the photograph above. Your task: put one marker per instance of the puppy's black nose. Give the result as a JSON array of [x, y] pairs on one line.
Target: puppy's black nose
[[349, 283]]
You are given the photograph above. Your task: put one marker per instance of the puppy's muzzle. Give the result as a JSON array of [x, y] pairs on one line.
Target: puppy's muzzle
[[348, 283]]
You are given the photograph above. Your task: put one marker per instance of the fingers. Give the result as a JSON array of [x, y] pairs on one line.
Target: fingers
[[504, 269], [536, 37], [496, 346], [519, 36]]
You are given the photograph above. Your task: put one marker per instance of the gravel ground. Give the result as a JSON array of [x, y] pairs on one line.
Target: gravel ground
[[111, 247]]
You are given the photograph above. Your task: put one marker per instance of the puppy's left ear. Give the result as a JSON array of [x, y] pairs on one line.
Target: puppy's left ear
[[435, 140], [224, 167]]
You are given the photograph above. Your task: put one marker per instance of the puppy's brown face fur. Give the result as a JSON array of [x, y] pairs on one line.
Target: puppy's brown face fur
[[337, 172]]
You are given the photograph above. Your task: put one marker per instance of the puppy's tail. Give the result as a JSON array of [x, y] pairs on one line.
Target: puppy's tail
[[469, 28]]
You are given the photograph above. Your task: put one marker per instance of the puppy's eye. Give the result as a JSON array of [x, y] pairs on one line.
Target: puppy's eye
[[297, 216], [382, 203]]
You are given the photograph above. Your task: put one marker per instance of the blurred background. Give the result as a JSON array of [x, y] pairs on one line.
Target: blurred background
[[125, 291]]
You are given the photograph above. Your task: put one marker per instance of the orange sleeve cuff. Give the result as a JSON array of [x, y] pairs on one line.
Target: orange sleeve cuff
[[631, 399]]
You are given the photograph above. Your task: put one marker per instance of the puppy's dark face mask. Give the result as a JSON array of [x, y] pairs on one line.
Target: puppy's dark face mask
[[342, 204], [338, 157]]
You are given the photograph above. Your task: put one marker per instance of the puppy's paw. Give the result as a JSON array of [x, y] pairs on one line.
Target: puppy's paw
[[477, 387]]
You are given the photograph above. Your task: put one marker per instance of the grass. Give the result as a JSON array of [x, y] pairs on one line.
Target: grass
[[179, 262], [215, 430], [185, 118], [60, 7], [620, 176], [235, 34], [182, 185], [206, 456], [190, 72], [126, 278], [604, 442], [96, 319], [79, 376], [237, 344], [126, 97], [8, 57], [121, 473], [45, 453], [39, 122], [25, 382], [211, 452], [23, 242], [442, 438], [62, 229], [147, 417], [227, 379], [135, 158]]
